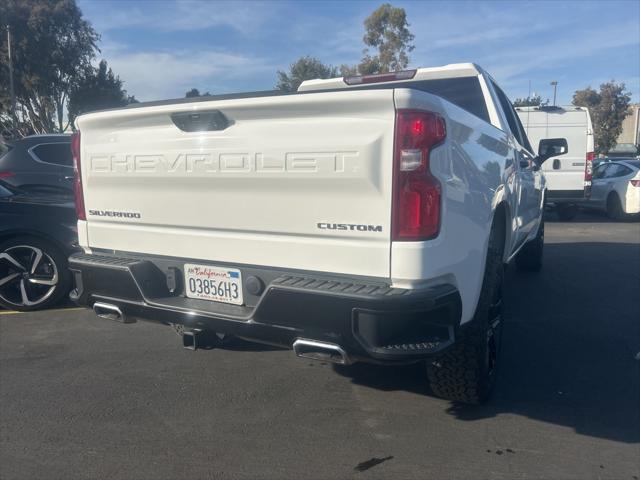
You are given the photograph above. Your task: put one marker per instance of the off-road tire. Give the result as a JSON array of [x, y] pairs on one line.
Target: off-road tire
[[566, 212], [614, 207], [529, 258], [466, 372]]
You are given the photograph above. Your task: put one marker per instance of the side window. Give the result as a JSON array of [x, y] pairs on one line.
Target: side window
[[512, 118], [612, 170], [599, 172], [55, 153], [623, 171], [525, 139], [464, 92]]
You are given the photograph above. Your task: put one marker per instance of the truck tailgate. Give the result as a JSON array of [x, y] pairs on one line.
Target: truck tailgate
[[296, 181]]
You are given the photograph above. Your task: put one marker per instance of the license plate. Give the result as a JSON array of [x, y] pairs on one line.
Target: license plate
[[217, 284]]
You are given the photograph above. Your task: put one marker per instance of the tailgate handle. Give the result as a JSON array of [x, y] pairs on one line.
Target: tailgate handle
[[204, 121]]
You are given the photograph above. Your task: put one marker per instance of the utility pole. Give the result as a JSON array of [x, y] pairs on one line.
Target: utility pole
[[11, 90], [555, 85]]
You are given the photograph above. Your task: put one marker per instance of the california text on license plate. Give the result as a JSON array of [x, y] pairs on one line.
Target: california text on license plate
[[218, 284]]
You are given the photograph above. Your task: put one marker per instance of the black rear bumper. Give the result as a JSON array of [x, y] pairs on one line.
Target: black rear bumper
[[566, 196], [368, 319]]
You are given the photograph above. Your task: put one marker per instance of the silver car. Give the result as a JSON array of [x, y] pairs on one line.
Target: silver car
[[615, 188]]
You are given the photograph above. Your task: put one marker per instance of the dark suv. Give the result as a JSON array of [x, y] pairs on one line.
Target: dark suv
[[39, 163], [37, 234]]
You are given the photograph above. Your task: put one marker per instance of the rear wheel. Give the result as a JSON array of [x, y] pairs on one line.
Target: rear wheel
[[33, 274], [566, 211], [529, 258], [614, 207], [466, 373]]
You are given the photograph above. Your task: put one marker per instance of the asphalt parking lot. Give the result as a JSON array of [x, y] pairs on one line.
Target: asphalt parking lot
[[81, 397]]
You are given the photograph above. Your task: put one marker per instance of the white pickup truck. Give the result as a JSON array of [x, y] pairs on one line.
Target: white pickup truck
[[365, 218]]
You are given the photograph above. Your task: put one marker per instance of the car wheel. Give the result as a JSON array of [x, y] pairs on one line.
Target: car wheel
[[614, 207], [566, 212], [466, 373], [33, 274], [529, 258]]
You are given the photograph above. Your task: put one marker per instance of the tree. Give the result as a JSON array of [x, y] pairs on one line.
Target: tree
[[305, 68], [348, 70], [97, 89], [194, 92], [52, 45], [386, 30], [608, 109], [534, 101]]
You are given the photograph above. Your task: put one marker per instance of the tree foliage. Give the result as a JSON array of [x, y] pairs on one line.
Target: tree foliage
[[97, 89], [387, 32], [194, 92], [533, 101], [305, 68], [608, 109], [52, 46]]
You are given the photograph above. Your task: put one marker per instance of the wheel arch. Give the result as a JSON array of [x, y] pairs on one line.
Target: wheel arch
[[25, 232], [612, 193], [502, 221]]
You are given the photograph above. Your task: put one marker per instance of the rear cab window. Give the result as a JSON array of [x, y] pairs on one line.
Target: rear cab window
[[54, 153], [464, 92]]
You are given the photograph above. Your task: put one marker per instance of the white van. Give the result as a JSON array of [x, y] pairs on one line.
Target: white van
[[568, 177]]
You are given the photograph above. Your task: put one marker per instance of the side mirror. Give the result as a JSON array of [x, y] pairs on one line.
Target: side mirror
[[551, 147]]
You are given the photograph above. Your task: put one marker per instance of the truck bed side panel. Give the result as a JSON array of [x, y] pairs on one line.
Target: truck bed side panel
[[476, 170]]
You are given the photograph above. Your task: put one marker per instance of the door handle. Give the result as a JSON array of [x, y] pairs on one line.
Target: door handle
[[69, 177]]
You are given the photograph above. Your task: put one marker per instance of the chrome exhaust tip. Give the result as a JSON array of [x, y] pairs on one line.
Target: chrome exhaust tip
[[111, 312], [323, 351]]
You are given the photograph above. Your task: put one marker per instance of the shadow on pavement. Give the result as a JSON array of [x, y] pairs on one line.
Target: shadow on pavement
[[240, 345], [571, 336], [588, 215], [66, 303]]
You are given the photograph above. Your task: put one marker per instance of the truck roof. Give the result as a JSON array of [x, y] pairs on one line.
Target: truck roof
[[454, 70]]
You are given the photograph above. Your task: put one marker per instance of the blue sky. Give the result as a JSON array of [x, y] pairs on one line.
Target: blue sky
[[160, 49]]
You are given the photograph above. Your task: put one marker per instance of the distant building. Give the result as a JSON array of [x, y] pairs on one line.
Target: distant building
[[629, 140]]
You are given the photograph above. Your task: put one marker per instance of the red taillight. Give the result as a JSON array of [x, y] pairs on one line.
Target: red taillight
[[379, 77], [588, 173], [635, 183], [6, 174], [416, 196], [77, 176]]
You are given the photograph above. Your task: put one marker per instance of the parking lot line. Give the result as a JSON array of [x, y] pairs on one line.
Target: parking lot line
[[13, 312]]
